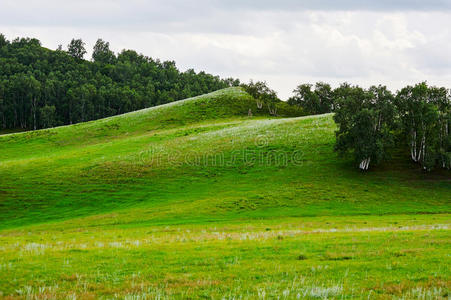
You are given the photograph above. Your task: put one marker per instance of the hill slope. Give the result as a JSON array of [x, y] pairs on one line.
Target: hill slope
[[197, 158], [93, 167], [195, 199]]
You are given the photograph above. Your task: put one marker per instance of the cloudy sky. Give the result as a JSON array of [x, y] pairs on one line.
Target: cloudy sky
[[365, 42]]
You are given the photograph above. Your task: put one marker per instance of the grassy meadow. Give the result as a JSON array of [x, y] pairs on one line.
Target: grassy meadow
[[197, 199]]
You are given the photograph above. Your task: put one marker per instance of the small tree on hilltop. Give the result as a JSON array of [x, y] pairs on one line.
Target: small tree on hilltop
[[304, 97], [325, 97], [76, 48], [101, 52], [317, 101], [262, 95], [3, 41], [271, 100]]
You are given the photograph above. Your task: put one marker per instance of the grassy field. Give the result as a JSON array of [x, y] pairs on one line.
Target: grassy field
[[195, 199]]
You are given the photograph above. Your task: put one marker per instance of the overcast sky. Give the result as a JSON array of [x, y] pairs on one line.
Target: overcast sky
[[364, 42]]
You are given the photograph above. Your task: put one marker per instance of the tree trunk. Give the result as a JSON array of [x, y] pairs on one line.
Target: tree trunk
[[272, 111], [365, 164], [413, 146]]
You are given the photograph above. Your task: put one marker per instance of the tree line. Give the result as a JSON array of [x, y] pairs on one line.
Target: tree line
[[42, 88], [374, 122]]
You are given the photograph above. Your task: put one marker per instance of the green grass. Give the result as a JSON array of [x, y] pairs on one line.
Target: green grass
[[196, 199]]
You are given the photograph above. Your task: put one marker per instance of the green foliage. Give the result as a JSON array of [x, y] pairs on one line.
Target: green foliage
[[81, 90], [318, 101], [76, 48], [370, 121], [3, 41], [48, 115], [424, 117], [102, 53], [263, 95], [365, 120]]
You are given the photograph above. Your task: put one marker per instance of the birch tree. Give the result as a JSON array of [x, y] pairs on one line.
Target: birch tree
[[442, 99], [263, 95], [420, 121], [365, 120], [446, 133]]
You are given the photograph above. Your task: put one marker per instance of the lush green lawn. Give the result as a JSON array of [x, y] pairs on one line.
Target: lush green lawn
[[311, 257], [196, 199]]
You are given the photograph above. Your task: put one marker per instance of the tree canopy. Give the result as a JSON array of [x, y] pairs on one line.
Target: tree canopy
[[41, 88], [317, 101], [365, 120], [370, 121], [263, 95]]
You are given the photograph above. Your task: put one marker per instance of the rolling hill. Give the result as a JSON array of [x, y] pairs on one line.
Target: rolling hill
[[196, 197]]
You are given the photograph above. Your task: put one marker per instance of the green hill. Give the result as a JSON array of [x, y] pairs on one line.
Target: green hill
[[101, 165], [201, 170], [198, 158]]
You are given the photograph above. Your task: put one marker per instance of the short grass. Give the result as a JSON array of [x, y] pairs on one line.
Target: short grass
[[195, 199], [313, 257]]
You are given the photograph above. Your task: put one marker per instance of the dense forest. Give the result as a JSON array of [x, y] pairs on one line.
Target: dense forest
[[42, 88]]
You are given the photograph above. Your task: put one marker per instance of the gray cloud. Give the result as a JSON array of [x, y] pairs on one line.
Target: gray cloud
[[342, 5], [174, 14], [283, 42]]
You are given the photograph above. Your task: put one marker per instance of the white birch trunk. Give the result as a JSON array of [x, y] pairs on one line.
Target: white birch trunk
[[422, 149], [364, 164], [413, 149], [272, 111]]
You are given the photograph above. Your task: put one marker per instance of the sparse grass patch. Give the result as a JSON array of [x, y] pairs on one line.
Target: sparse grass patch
[[229, 259]]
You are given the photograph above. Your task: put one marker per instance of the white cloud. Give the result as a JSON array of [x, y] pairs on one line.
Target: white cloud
[[393, 43]]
